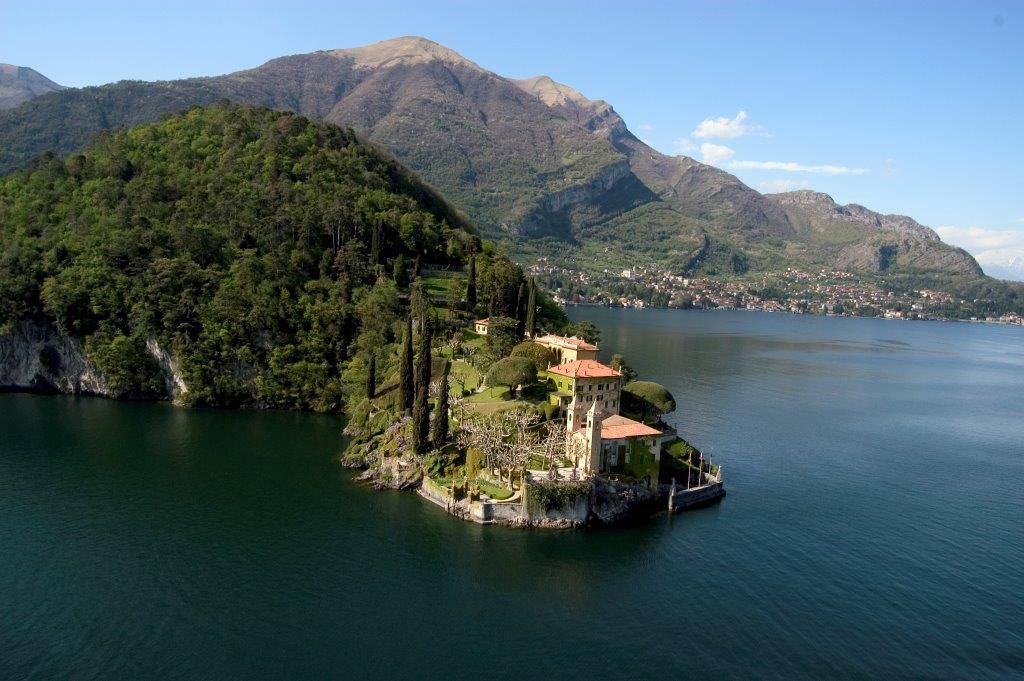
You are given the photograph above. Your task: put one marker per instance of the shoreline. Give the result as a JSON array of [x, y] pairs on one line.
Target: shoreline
[[993, 322], [605, 502]]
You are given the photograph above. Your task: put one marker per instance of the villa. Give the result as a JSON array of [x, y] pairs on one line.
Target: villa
[[568, 349], [480, 326], [598, 438]]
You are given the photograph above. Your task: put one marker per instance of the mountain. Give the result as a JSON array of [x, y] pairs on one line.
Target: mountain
[[860, 239], [225, 256], [19, 84], [536, 164], [1011, 269]]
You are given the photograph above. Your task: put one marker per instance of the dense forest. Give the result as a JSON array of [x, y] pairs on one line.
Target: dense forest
[[263, 249]]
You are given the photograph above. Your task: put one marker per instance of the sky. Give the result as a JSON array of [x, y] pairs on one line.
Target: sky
[[904, 107]]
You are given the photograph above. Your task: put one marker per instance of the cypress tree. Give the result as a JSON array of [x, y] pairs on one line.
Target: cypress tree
[[398, 272], [439, 431], [405, 368], [421, 405], [418, 301], [375, 242], [520, 310], [371, 378], [531, 308], [471, 285]]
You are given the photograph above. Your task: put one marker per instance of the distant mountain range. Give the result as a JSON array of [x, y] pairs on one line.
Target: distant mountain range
[[19, 84], [1011, 269], [534, 163]]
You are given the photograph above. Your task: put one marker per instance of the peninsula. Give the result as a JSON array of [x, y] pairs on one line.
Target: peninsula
[[526, 428]]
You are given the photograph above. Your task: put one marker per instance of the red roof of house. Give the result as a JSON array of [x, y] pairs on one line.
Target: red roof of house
[[618, 427], [584, 368], [485, 321]]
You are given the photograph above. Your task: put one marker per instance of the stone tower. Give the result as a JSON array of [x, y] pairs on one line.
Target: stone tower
[[593, 433]]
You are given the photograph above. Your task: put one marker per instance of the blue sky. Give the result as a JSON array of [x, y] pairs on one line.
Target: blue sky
[[909, 107]]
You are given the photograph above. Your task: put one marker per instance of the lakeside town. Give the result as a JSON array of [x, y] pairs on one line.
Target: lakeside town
[[828, 292]]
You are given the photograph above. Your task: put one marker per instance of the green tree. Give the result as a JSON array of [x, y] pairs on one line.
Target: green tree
[[521, 310], [454, 298], [471, 285], [418, 302], [647, 400], [512, 372], [619, 364], [406, 382], [541, 355], [439, 429], [400, 271], [586, 330], [531, 309], [421, 406], [371, 377], [501, 336]]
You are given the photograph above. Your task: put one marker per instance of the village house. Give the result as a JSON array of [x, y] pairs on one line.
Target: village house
[[568, 349], [480, 326]]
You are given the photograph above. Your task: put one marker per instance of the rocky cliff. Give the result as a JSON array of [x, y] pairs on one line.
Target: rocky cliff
[[36, 357], [870, 241]]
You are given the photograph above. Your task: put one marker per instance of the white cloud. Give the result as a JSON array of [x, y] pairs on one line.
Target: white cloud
[[780, 185], [715, 153], [797, 167], [727, 128], [646, 126], [998, 250], [684, 145]]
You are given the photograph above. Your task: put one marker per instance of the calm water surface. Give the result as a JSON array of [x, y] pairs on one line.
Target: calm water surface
[[874, 527]]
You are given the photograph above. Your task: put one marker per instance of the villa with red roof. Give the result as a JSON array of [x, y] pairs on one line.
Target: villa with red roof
[[567, 349], [598, 438]]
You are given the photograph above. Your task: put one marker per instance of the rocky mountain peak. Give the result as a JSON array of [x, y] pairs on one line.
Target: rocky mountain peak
[[553, 93], [804, 197], [19, 84], [595, 115], [821, 209], [403, 50]]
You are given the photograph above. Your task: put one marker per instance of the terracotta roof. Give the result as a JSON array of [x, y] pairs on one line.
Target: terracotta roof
[[618, 427], [571, 342], [485, 321], [584, 368]]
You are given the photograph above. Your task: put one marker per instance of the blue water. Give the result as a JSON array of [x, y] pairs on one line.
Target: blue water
[[874, 527]]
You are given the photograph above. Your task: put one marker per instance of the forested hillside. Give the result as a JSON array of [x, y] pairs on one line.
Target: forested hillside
[[262, 249]]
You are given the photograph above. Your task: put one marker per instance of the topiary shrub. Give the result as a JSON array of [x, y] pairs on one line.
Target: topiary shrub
[[511, 371], [542, 356], [647, 400]]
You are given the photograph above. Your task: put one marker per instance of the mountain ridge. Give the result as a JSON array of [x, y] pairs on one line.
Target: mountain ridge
[[19, 84], [535, 163]]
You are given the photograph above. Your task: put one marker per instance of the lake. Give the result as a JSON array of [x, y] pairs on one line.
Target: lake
[[874, 526]]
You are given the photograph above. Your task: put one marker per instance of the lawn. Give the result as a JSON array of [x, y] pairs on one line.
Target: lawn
[[492, 490], [437, 287], [498, 393], [465, 376]]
